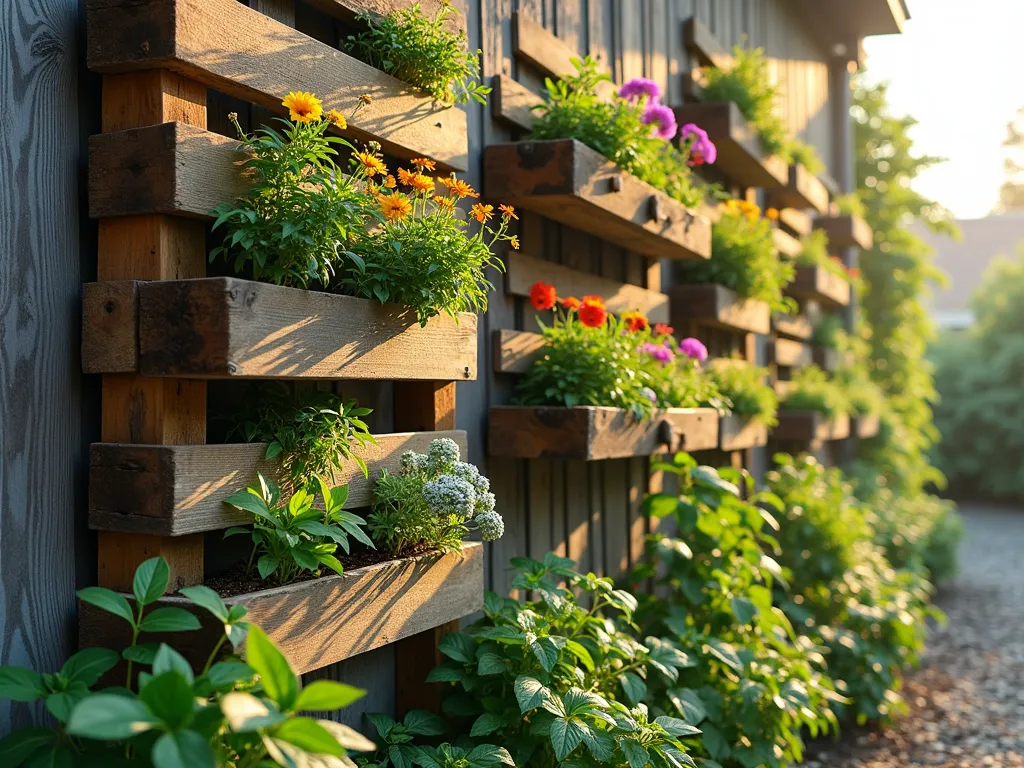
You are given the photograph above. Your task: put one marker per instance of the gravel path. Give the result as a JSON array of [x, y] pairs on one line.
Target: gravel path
[[967, 700]]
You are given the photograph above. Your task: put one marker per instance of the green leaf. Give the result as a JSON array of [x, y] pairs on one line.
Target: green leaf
[[206, 598], [267, 565], [144, 653], [633, 686], [20, 684], [566, 735], [245, 713], [184, 749], [488, 755], [490, 664], [59, 756], [715, 742], [16, 747], [530, 693], [249, 502], [228, 673], [485, 724], [423, 723], [88, 665], [743, 610], [308, 735], [169, 697], [546, 651], [151, 580], [169, 619], [448, 672], [689, 704], [109, 601], [323, 695], [457, 646], [110, 717], [349, 738], [675, 727], [637, 756], [167, 659], [276, 676]]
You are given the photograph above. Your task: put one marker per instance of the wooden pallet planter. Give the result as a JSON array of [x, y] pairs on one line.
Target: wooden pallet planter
[[322, 621], [846, 232], [819, 284], [802, 190], [717, 306], [809, 426], [592, 433], [736, 433], [225, 327], [239, 51], [567, 181], [513, 103], [786, 244], [796, 327], [741, 155], [797, 221], [176, 490], [867, 426], [791, 354]]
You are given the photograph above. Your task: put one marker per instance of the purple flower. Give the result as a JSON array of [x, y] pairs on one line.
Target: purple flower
[[659, 352], [639, 87], [693, 349], [649, 394], [702, 149], [664, 118]]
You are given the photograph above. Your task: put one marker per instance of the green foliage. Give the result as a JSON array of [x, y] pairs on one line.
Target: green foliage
[[170, 716], [813, 390], [292, 537], [828, 331], [746, 389], [397, 749], [919, 533], [421, 51], [436, 500], [614, 128], [743, 259], [814, 253], [748, 85], [559, 683]]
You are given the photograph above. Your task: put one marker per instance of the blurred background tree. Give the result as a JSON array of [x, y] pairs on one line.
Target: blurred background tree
[[1011, 193]]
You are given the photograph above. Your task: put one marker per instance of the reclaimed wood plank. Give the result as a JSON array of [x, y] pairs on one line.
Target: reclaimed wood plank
[[846, 232], [717, 306], [807, 426], [241, 52], [332, 618], [110, 338], [513, 102], [537, 47], [791, 354], [802, 190], [592, 433], [566, 181], [792, 326], [820, 284], [349, 10], [736, 433], [786, 244], [516, 351], [796, 220]]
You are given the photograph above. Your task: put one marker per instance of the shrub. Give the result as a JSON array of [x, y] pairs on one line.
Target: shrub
[[813, 390], [745, 387], [814, 253], [398, 751]]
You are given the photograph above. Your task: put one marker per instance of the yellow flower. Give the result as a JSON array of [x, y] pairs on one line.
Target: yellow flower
[[772, 213], [372, 164], [422, 183], [482, 212], [390, 182], [335, 118], [446, 204], [424, 164], [458, 187], [394, 207], [508, 212], [514, 242], [405, 176], [366, 99], [303, 107]]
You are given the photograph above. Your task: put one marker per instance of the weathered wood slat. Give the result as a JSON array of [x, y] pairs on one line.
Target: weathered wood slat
[[516, 351], [243, 53], [523, 271], [704, 46], [820, 284], [225, 327], [803, 190], [591, 433], [552, 56], [110, 338], [796, 220], [348, 10], [513, 102], [741, 156], [326, 620], [791, 354], [175, 490], [792, 326], [809, 426], [866, 427], [719, 307], [786, 244], [736, 433], [567, 181], [846, 232]]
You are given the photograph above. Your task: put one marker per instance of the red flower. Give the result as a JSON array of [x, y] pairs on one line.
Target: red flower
[[663, 330], [542, 295], [635, 321], [593, 315], [571, 304], [853, 272]]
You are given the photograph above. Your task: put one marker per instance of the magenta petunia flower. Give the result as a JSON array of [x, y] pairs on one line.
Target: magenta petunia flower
[[702, 149], [659, 352], [639, 87], [664, 120], [694, 349]]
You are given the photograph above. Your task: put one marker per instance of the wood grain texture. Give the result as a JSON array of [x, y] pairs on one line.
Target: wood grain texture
[[110, 340], [522, 271], [567, 181], [591, 433], [803, 190], [224, 327], [516, 351], [807, 426], [786, 244], [846, 232], [175, 490], [791, 354], [819, 284], [513, 102], [326, 620], [865, 427], [717, 306], [741, 155], [792, 326], [243, 53], [799, 222], [536, 46], [736, 433]]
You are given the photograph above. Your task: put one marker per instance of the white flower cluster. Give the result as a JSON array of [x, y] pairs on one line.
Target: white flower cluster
[[491, 526], [442, 456], [450, 495], [413, 463]]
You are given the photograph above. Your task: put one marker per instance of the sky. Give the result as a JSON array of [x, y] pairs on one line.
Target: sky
[[959, 69]]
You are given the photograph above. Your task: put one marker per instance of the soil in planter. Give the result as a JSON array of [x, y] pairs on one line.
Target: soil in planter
[[237, 582]]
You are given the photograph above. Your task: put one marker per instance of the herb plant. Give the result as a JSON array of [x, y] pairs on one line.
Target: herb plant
[[814, 253], [435, 501], [560, 683], [421, 51], [397, 749], [230, 712], [813, 390], [293, 537], [749, 396]]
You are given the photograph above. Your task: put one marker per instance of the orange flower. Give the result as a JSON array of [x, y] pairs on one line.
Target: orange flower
[[571, 304], [593, 315], [335, 118], [303, 107], [593, 301], [853, 272], [405, 176], [422, 183], [772, 213], [394, 207], [445, 203], [390, 182], [458, 187], [514, 242], [635, 321], [482, 212], [372, 164], [663, 330], [423, 164], [542, 295], [508, 212]]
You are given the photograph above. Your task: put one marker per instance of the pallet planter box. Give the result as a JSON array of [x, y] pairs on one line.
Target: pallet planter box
[[819, 284], [791, 354], [810, 426], [736, 433], [786, 244], [322, 621], [802, 190], [867, 426], [717, 306], [225, 327], [239, 51], [846, 232], [792, 326], [567, 181], [592, 433], [741, 156]]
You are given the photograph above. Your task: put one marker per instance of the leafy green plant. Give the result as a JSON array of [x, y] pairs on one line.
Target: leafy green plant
[[743, 258], [290, 538], [747, 84], [745, 387], [436, 501], [864, 396], [559, 683], [615, 128], [397, 749], [229, 713], [813, 390], [421, 51], [814, 253], [919, 533]]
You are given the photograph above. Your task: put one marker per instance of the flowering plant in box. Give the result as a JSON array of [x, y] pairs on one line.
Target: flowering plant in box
[[365, 233]]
